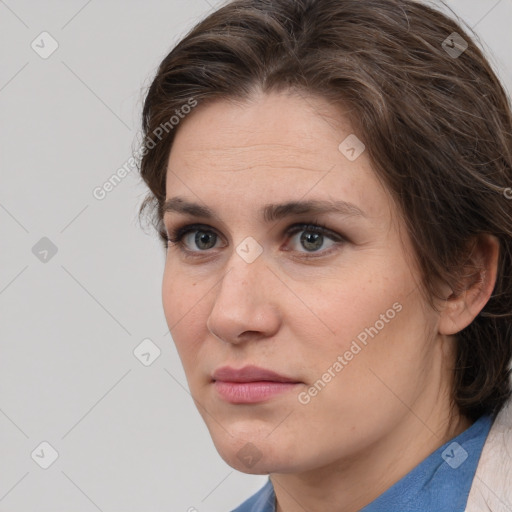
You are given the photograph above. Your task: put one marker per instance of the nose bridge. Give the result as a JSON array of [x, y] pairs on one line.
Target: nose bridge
[[243, 298], [239, 286], [246, 269]]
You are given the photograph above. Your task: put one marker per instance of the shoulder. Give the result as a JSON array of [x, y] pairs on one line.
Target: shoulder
[[492, 485]]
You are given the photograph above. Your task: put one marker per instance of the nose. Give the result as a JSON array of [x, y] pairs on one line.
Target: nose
[[245, 305]]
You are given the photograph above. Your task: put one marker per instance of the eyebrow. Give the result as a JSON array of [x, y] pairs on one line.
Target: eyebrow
[[269, 212]]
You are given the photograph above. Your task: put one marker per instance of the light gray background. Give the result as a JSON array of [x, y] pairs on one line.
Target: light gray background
[[128, 436]]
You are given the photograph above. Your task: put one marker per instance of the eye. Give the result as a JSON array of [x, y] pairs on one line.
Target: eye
[[204, 237], [198, 236], [313, 237]]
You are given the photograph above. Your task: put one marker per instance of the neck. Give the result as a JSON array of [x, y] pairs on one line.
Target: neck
[[350, 484]]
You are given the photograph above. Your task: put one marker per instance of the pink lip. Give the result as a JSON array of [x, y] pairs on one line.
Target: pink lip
[[250, 384], [248, 374]]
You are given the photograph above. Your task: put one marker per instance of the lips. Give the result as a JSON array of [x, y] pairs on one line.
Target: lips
[[250, 384], [249, 374]]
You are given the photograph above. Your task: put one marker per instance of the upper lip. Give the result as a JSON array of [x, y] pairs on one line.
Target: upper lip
[[248, 374]]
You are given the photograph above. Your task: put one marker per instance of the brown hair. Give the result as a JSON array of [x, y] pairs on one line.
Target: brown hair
[[437, 126]]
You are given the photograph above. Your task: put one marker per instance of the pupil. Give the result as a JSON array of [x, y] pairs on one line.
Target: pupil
[[311, 239], [200, 238]]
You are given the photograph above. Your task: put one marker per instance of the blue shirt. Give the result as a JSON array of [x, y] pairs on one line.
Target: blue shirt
[[440, 483]]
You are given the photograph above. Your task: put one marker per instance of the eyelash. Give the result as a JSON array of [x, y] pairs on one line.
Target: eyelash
[[177, 234]]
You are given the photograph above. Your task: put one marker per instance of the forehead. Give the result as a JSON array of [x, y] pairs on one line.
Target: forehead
[[276, 128], [279, 146]]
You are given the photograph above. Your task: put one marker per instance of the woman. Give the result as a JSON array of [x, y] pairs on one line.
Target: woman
[[363, 365]]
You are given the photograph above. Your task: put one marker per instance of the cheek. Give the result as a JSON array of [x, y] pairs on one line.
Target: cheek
[[181, 292], [360, 381], [181, 301], [386, 354], [344, 306], [173, 307], [373, 319]]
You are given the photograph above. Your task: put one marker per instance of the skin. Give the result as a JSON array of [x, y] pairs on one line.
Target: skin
[[389, 407]]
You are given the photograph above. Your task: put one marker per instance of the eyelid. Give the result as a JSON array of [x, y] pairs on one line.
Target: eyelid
[[177, 234]]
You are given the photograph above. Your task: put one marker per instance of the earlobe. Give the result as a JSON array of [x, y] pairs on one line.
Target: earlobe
[[476, 285]]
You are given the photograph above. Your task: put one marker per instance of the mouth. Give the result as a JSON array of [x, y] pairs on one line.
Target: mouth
[[250, 384]]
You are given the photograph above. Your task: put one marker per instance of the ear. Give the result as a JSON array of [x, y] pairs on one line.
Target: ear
[[476, 285]]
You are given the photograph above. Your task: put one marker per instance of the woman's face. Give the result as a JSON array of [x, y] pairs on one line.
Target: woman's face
[[338, 313]]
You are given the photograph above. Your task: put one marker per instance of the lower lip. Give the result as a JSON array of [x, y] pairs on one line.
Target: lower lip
[[251, 392]]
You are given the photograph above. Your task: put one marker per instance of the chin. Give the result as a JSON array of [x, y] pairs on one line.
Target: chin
[[256, 456], [252, 465]]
